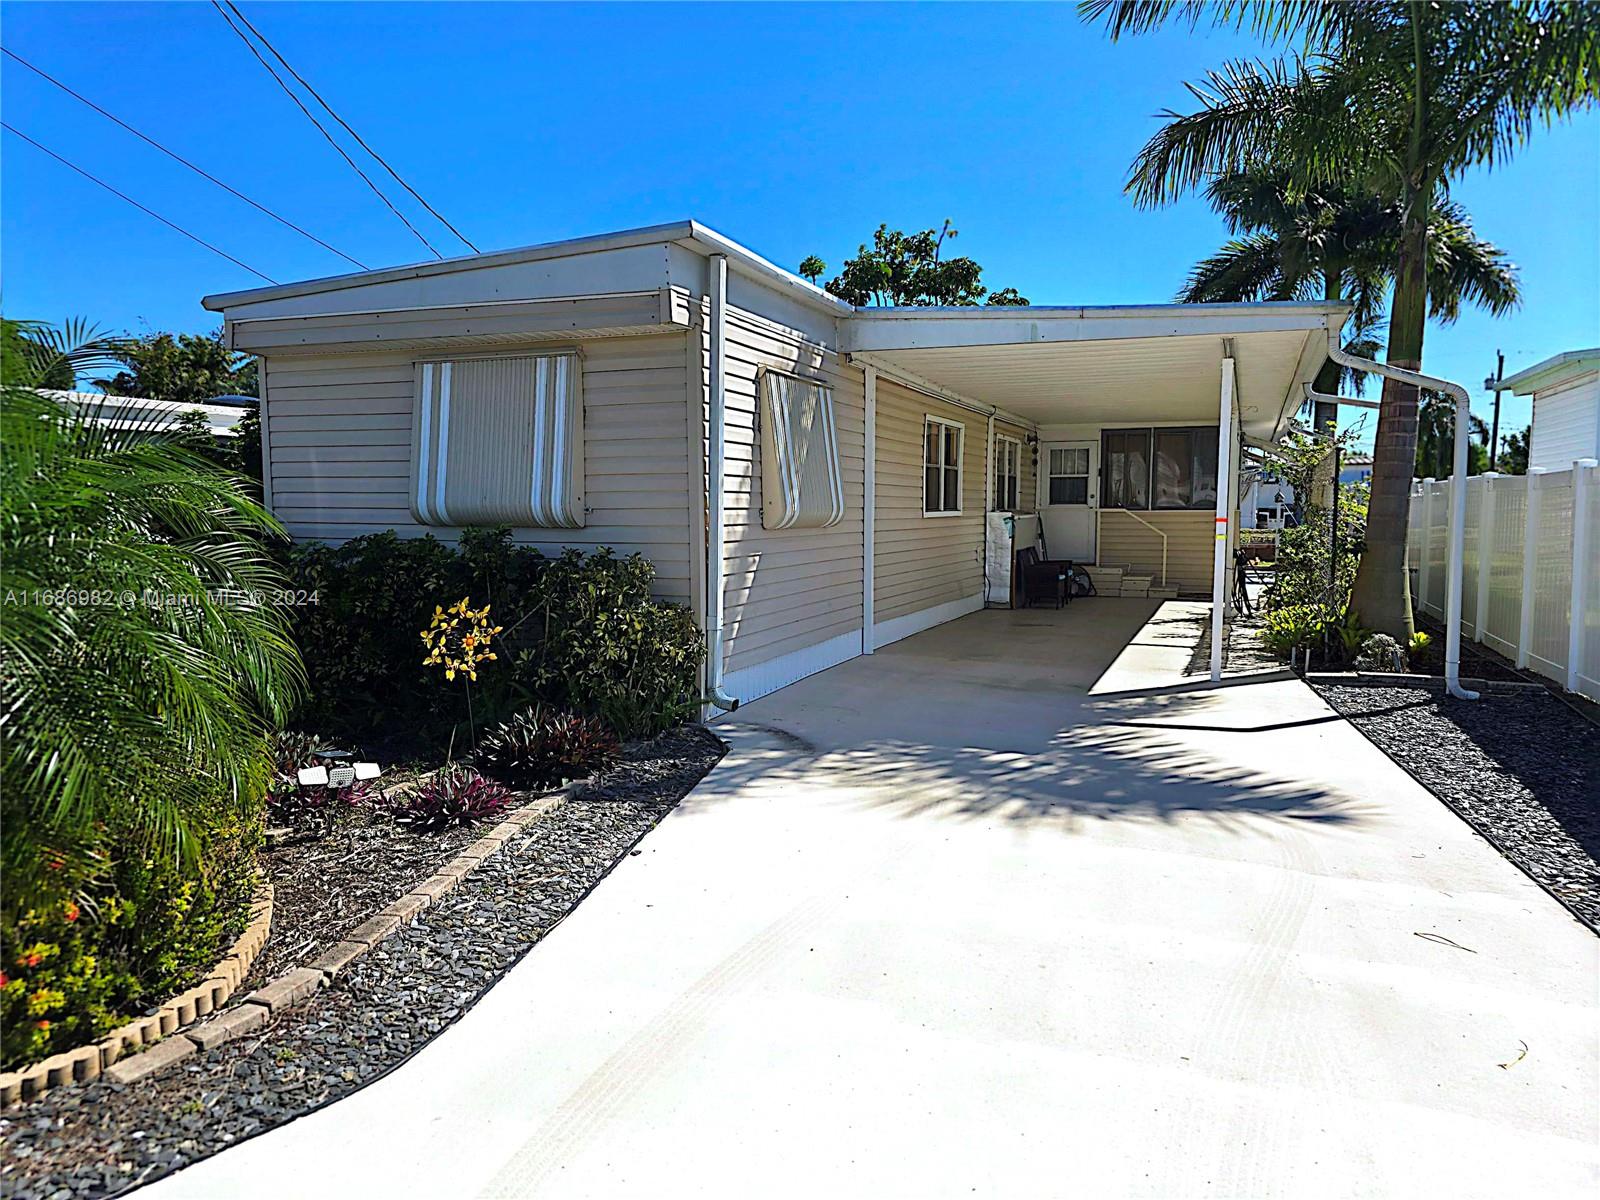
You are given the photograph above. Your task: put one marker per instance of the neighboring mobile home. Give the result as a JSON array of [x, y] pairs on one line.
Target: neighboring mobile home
[[1566, 408], [584, 392]]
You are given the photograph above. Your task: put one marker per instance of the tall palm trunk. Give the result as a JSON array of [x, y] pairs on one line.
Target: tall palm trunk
[[1383, 588]]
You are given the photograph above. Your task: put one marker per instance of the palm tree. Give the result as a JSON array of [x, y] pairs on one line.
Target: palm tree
[[139, 673], [1340, 243], [1403, 97]]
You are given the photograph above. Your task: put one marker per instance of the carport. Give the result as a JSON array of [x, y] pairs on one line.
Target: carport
[[1240, 370]]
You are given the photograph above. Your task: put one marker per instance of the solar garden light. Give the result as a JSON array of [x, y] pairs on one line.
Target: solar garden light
[[338, 773]]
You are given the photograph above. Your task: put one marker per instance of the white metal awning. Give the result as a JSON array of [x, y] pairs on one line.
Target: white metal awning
[[1137, 364]]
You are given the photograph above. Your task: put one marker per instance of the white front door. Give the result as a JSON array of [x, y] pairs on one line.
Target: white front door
[[1069, 496]]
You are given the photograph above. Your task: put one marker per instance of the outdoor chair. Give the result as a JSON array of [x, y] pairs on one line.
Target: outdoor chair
[[1043, 578]]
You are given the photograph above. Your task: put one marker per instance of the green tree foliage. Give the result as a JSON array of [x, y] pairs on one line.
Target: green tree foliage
[[1514, 453], [185, 368], [33, 354], [1403, 98], [908, 270], [1436, 439]]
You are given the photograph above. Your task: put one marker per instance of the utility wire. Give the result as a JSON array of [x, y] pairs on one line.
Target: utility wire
[[346, 125], [178, 157], [122, 196], [288, 91]]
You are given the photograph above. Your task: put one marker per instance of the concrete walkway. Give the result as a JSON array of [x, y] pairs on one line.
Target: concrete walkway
[[1016, 907]]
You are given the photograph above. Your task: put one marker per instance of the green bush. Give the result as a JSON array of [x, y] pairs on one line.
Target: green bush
[[581, 633], [75, 966], [1297, 625]]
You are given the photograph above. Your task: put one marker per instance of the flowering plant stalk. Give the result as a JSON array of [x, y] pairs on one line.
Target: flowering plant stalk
[[458, 639]]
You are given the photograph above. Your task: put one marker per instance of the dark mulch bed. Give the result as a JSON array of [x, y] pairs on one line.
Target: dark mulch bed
[[324, 886], [1521, 768], [101, 1139]]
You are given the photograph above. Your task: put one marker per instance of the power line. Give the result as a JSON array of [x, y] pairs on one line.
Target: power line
[[346, 125], [9, 53], [288, 91], [122, 196]]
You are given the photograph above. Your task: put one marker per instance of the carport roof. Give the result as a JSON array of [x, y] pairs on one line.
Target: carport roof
[[1135, 364]]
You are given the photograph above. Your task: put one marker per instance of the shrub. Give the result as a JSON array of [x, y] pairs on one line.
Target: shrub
[[1380, 652], [535, 749], [580, 632], [456, 795], [1296, 625]]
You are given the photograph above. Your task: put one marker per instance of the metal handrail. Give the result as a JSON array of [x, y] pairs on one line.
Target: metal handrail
[[1155, 529]]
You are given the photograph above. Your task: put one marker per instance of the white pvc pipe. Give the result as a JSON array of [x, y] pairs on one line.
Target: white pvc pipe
[[869, 511], [716, 482], [1458, 497]]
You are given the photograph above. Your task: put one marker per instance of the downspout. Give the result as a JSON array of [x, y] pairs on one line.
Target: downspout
[[1458, 497], [716, 483]]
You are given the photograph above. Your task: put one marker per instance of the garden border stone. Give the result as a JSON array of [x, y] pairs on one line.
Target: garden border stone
[[139, 1039]]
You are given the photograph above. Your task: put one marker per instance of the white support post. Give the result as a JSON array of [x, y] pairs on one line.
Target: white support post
[[869, 512], [1530, 562], [1425, 575], [1219, 559], [1583, 479], [1480, 614]]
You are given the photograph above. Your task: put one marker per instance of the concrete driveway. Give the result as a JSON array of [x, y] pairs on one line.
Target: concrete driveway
[[1013, 908]]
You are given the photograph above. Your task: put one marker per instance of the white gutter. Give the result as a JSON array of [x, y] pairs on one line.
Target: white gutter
[[716, 482], [869, 512], [748, 262], [1312, 396], [1458, 498]]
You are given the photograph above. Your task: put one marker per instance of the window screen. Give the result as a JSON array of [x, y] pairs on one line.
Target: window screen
[[1068, 475], [498, 441], [1007, 473], [941, 466], [801, 487], [1160, 468]]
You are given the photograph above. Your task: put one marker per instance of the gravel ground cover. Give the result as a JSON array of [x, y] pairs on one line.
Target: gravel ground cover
[[325, 886], [1521, 768], [102, 1139]]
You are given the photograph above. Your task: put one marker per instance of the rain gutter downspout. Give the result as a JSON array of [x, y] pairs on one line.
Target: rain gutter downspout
[[1458, 496], [716, 482]]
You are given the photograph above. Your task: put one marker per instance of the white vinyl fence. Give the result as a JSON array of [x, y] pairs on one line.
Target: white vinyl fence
[[1531, 578]]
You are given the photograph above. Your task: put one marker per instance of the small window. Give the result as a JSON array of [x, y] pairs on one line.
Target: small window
[[801, 487], [498, 441], [1068, 477], [941, 467], [1007, 473]]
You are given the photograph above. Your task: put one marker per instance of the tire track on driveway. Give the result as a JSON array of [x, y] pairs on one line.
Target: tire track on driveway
[[649, 1054]]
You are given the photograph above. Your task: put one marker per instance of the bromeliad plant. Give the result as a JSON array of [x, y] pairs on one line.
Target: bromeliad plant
[[456, 795], [535, 749]]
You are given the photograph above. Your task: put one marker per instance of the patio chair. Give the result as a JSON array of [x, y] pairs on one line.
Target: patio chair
[[1043, 578]]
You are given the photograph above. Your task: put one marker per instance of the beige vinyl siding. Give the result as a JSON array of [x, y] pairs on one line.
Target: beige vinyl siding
[[1027, 488], [1126, 543], [922, 562], [786, 589], [339, 435]]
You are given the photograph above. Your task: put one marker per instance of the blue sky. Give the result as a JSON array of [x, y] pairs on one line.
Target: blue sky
[[793, 129]]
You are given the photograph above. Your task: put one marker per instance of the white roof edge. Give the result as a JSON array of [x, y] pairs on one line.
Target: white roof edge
[[690, 234], [109, 400], [1313, 308], [1568, 361]]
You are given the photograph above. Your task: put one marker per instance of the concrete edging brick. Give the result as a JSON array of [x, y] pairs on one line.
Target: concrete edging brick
[[137, 1039]]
